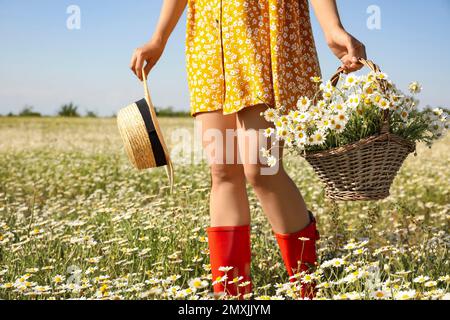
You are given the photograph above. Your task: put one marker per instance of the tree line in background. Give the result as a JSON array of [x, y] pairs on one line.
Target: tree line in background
[[70, 110]]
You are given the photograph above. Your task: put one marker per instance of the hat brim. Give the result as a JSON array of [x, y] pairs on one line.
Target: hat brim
[[154, 133], [142, 136]]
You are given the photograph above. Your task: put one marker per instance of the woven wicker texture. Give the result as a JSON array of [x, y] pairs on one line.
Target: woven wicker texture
[[364, 170], [361, 171]]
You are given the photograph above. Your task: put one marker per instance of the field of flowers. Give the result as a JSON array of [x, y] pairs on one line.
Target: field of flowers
[[77, 222]]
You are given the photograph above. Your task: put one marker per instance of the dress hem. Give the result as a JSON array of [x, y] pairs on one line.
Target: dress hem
[[234, 111]]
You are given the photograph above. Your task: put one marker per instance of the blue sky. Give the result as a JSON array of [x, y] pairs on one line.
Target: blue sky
[[44, 64]]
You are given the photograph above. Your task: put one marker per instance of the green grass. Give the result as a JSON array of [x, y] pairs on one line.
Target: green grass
[[69, 200]]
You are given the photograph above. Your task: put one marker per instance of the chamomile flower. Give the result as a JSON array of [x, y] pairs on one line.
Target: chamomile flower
[[430, 284], [341, 117], [324, 124], [337, 126], [359, 251], [289, 140], [404, 115], [316, 79], [384, 104], [170, 279], [397, 101], [42, 289], [421, 279], [282, 133], [303, 117], [321, 105], [244, 284], [319, 138], [300, 137], [369, 88], [415, 87], [294, 115], [350, 246], [436, 127], [327, 87], [316, 114], [438, 112], [381, 76], [279, 124], [225, 269], [220, 279], [307, 278], [236, 280], [269, 132], [310, 140], [270, 114], [381, 294], [298, 127], [405, 295], [7, 285], [351, 81], [303, 104], [284, 119], [325, 285], [336, 263], [327, 95], [371, 77], [58, 279], [354, 100], [339, 107], [197, 284]]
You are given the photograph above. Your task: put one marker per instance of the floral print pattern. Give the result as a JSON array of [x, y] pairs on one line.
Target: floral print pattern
[[242, 53]]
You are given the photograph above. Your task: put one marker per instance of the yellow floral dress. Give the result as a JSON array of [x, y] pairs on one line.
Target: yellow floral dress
[[242, 53]]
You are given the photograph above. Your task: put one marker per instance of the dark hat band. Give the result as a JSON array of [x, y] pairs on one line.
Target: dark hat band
[[158, 150]]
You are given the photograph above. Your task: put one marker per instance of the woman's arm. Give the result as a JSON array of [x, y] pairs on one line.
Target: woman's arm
[[151, 52], [346, 47]]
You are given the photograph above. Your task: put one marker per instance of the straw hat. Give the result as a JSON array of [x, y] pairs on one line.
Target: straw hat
[[142, 136]]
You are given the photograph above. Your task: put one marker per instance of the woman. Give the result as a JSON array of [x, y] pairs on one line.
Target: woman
[[243, 56]]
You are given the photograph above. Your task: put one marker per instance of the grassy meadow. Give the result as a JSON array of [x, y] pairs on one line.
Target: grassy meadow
[[78, 222]]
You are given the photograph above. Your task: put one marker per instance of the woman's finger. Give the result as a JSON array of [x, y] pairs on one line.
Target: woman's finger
[[355, 65], [133, 63], [351, 51], [358, 51], [361, 53], [148, 67], [346, 63], [138, 67]]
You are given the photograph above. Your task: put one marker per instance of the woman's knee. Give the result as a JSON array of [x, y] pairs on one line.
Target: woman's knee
[[221, 173], [260, 176]]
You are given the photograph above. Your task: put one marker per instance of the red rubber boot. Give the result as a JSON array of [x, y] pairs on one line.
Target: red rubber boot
[[300, 254], [230, 247]]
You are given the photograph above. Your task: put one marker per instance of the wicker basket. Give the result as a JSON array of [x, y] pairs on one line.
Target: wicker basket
[[364, 170]]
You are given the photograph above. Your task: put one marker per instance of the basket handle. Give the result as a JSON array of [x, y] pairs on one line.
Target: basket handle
[[383, 85], [169, 167]]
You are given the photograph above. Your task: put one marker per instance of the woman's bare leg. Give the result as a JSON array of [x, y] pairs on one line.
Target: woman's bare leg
[[280, 198], [229, 204]]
